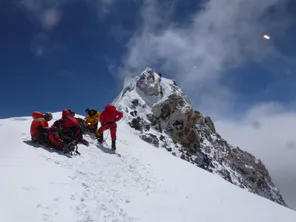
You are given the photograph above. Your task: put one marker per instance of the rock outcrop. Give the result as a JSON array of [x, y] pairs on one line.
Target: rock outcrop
[[161, 114]]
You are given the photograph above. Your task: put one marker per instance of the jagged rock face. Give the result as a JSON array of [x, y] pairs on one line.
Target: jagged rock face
[[147, 84], [169, 121], [177, 117], [174, 114], [139, 124], [237, 166], [256, 176], [210, 123]]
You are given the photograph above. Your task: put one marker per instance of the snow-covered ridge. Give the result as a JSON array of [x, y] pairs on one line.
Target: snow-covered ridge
[[161, 114], [138, 184]]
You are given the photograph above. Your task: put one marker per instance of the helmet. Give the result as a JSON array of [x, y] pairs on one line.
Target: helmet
[[48, 116], [87, 110], [92, 112]]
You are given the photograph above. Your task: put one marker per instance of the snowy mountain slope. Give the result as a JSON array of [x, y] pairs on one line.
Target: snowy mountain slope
[[141, 183], [160, 113]]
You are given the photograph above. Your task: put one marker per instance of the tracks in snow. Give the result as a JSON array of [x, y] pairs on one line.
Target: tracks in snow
[[108, 183]]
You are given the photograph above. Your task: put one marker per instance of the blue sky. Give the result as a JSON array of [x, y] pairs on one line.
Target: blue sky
[[78, 57], [72, 71]]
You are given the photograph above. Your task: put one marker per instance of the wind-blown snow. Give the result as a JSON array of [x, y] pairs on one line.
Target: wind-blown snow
[[140, 183]]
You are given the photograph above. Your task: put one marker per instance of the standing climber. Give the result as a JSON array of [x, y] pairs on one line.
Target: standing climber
[[92, 119], [108, 120]]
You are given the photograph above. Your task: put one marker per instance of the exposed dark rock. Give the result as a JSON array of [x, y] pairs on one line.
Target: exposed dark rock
[[127, 89], [135, 103], [136, 124], [139, 124], [210, 123], [146, 127], [203, 161], [178, 124], [169, 149], [178, 118], [134, 113], [162, 138], [165, 112], [226, 175], [150, 138], [147, 84], [152, 118]]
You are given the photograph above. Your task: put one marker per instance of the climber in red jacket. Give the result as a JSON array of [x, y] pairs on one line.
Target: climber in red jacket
[[71, 126], [42, 134], [108, 120]]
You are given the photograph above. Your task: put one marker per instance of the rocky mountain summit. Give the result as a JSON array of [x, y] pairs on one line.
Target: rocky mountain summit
[[161, 114]]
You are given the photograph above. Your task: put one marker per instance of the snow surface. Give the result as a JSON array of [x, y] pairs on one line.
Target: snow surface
[[139, 183]]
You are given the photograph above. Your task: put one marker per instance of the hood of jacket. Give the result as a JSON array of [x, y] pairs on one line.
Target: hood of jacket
[[110, 108], [37, 115], [66, 113]]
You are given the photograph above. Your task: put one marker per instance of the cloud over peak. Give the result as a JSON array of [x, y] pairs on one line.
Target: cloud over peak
[[218, 35]]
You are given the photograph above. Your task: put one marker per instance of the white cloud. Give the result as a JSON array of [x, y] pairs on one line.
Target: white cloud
[[45, 12], [223, 34], [50, 18], [49, 12], [271, 138]]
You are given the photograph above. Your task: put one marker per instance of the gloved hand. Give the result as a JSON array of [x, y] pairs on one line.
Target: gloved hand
[[53, 129], [41, 129]]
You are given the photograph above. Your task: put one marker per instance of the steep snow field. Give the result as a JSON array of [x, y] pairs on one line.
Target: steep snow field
[[139, 183]]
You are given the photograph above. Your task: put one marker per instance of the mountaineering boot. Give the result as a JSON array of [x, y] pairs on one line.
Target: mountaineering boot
[[69, 148], [100, 138], [113, 147], [84, 142]]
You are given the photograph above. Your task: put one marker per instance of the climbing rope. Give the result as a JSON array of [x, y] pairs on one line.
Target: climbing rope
[[104, 140]]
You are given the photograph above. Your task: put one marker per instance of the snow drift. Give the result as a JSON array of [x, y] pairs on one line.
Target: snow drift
[[139, 183]]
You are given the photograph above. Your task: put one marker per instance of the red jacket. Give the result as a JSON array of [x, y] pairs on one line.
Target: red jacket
[[110, 115], [39, 124], [59, 124], [69, 119]]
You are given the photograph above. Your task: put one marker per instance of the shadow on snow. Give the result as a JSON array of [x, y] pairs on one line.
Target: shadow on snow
[[49, 149], [107, 150]]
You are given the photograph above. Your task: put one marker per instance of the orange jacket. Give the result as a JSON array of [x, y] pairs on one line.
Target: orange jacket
[[39, 124], [93, 120]]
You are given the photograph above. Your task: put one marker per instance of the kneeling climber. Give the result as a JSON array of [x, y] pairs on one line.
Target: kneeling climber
[[42, 134], [92, 119], [71, 127]]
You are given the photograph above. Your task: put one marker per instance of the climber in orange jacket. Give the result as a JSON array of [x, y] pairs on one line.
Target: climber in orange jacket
[[92, 119], [42, 134]]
